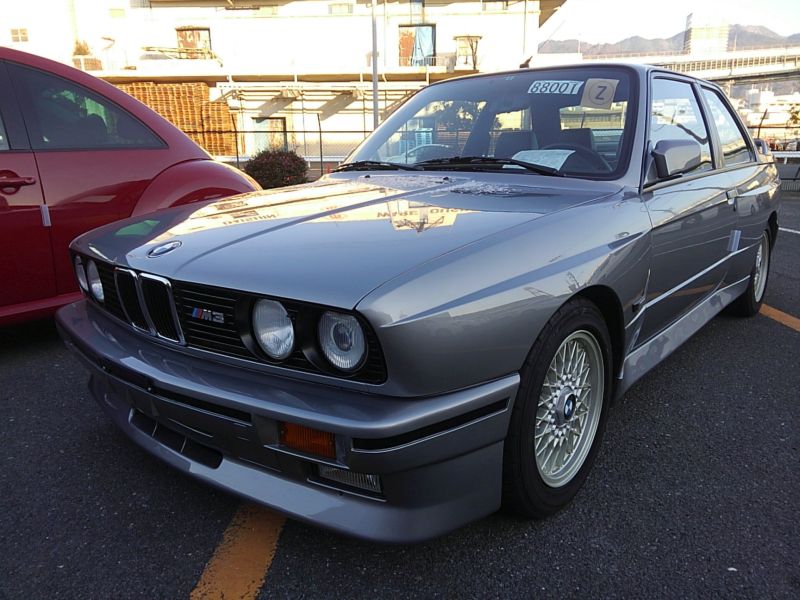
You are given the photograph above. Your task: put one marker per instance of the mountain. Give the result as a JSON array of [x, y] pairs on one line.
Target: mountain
[[740, 38]]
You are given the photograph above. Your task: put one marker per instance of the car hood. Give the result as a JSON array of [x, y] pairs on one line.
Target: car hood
[[333, 241]]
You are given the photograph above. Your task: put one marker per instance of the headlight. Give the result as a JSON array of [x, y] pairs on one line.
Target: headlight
[[95, 285], [273, 329], [80, 273], [342, 340]]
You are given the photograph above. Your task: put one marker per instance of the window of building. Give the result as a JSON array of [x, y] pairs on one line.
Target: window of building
[[62, 115], [194, 42], [417, 45], [340, 8], [19, 35], [675, 115], [735, 149], [467, 50], [494, 5]]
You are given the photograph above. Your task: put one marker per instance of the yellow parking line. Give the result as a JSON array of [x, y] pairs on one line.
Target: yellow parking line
[[781, 317], [241, 561]]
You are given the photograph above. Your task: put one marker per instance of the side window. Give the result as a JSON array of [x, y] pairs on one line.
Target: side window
[[734, 147], [3, 138], [65, 115], [675, 115]]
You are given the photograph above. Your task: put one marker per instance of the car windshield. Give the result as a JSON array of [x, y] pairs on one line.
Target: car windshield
[[570, 121]]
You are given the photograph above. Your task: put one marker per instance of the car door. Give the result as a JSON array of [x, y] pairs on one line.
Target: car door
[[691, 215], [749, 184], [94, 157], [26, 260]]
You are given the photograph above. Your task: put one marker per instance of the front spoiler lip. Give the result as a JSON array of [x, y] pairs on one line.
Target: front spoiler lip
[[440, 482]]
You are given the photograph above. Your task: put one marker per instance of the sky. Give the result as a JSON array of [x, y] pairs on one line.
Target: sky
[[609, 21]]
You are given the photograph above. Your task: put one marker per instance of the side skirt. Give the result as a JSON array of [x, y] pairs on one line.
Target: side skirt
[[650, 354]]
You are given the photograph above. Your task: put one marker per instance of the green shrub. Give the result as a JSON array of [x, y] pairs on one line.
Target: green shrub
[[277, 168]]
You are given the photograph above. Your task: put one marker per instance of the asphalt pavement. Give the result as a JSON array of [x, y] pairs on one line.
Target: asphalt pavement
[[696, 491]]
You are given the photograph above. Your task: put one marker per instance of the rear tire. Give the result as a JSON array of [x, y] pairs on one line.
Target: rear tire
[[560, 413], [749, 303]]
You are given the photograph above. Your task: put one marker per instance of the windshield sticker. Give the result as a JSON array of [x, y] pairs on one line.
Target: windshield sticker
[[599, 93], [555, 86], [546, 158]]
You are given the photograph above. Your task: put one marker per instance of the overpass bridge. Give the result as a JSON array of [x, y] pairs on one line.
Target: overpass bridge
[[734, 67]]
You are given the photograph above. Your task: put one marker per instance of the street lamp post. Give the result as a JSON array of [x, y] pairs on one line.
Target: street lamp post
[[525, 29], [375, 115]]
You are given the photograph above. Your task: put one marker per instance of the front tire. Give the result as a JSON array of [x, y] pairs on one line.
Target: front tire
[[559, 417], [749, 303]]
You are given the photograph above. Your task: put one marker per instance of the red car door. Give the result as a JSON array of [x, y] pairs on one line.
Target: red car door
[[26, 260], [95, 158]]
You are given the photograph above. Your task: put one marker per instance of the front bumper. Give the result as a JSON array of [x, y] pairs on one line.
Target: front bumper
[[439, 459]]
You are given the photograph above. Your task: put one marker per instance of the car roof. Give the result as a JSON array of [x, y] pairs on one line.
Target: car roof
[[642, 69]]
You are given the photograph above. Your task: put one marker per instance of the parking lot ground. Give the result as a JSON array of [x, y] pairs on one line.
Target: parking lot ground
[[696, 492]]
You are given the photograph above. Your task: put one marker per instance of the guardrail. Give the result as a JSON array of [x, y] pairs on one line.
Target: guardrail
[[788, 164]]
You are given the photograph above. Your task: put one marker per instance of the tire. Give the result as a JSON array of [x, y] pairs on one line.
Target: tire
[[532, 485], [749, 303]]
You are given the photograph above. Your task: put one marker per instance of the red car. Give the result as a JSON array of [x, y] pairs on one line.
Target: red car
[[77, 153]]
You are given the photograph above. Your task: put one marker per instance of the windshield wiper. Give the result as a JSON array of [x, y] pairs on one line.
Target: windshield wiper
[[375, 165], [480, 162]]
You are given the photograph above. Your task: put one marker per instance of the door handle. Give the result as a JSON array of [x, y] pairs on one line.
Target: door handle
[[15, 182], [732, 196]]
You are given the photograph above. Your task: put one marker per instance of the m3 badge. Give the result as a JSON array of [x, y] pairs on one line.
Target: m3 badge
[[205, 314]]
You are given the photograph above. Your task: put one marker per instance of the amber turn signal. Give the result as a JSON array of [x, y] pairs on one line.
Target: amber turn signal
[[306, 439]]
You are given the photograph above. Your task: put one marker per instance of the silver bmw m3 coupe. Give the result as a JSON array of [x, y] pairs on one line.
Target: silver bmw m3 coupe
[[441, 326]]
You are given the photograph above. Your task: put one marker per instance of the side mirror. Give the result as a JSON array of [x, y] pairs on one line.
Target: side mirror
[[762, 147], [673, 157]]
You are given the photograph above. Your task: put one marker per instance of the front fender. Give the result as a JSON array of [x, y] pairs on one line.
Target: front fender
[[473, 315], [193, 181]]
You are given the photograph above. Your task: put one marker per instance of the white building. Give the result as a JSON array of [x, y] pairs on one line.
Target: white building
[[239, 37]]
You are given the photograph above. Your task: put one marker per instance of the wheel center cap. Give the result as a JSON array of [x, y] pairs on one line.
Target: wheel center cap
[[569, 407], [565, 406]]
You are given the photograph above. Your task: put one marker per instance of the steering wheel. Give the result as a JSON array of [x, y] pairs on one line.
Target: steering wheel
[[594, 159], [428, 152]]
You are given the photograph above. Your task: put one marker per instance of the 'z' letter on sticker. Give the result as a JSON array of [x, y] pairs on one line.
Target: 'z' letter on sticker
[[599, 93]]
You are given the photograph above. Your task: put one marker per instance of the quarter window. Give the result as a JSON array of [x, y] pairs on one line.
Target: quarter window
[[3, 139], [675, 115], [735, 149], [65, 116]]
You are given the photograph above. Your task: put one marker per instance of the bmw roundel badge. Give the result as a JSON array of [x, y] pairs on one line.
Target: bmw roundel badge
[[163, 249]]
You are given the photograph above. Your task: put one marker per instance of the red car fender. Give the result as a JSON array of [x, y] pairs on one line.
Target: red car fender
[[193, 181]]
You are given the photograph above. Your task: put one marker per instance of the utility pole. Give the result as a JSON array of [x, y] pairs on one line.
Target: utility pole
[[375, 115]]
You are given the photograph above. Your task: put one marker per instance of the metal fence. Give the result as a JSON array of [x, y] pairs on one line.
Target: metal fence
[[322, 150]]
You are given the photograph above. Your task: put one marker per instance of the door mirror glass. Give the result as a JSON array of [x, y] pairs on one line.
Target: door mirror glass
[[675, 157]]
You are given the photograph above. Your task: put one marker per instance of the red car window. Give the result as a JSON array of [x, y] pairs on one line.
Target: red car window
[[67, 116]]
